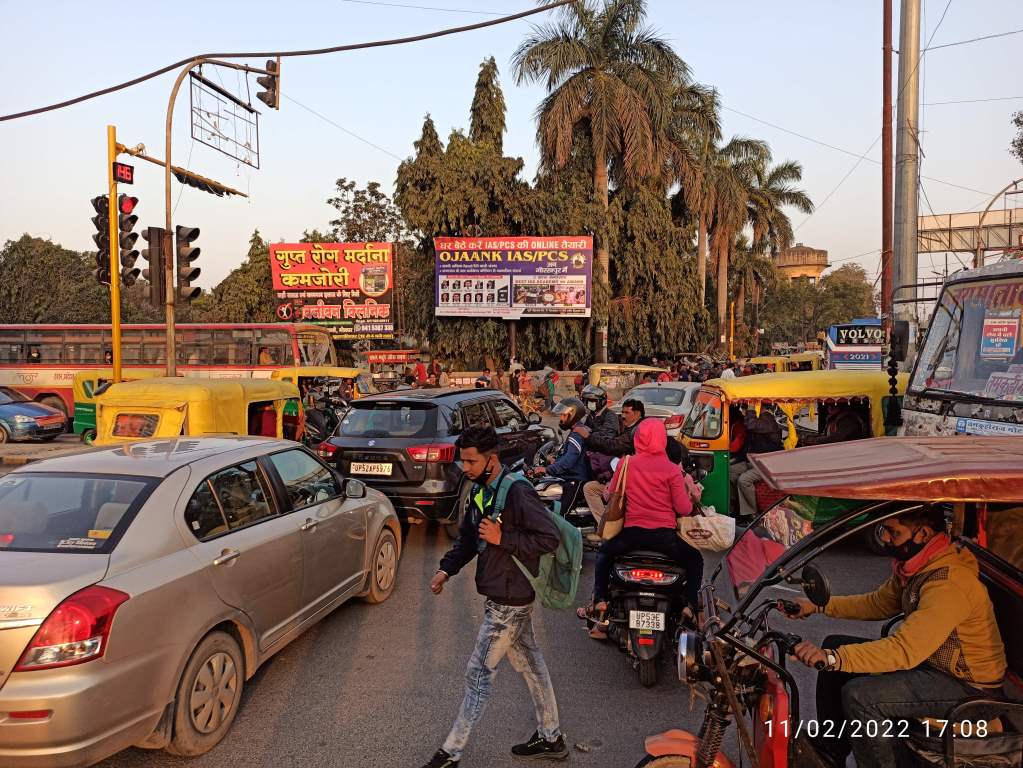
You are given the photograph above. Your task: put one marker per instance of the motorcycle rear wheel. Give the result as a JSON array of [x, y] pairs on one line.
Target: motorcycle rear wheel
[[647, 669]]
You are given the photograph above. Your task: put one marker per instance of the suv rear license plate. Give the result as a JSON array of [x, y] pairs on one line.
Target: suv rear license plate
[[646, 620], [370, 468]]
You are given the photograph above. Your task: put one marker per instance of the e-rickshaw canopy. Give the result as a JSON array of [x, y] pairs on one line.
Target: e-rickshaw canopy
[[966, 468]]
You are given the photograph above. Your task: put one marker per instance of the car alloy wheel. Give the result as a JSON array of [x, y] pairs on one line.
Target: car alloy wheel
[[213, 693]]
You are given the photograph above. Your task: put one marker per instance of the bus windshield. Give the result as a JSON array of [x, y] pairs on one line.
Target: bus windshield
[[973, 346]]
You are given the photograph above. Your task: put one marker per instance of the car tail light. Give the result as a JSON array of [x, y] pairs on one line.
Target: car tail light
[[76, 631], [433, 452], [30, 714], [326, 450], [647, 576], [673, 421], [6, 539]]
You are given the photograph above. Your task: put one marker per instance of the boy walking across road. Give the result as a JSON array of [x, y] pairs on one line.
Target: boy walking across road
[[522, 529]]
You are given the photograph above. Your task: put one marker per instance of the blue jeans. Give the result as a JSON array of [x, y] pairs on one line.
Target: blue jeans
[[879, 699], [506, 630]]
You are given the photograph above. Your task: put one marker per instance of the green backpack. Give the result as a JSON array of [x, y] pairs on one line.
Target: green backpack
[[557, 579]]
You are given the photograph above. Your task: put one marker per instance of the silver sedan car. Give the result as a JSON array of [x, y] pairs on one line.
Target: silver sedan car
[[669, 401], [140, 587]]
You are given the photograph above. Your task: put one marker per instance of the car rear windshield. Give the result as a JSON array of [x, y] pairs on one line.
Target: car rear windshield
[[68, 512], [387, 418], [666, 396]]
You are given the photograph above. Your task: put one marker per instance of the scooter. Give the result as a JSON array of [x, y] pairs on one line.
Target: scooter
[[552, 489], [645, 609], [322, 420]]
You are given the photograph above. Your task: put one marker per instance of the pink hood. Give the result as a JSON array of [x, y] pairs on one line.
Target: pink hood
[[650, 437]]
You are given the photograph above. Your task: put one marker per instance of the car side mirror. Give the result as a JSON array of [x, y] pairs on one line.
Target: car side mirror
[[534, 418], [900, 340], [816, 585], [355, 489]]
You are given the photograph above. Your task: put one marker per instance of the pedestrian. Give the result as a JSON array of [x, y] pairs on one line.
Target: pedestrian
[[549, 380], [498, 382], [442, 378], [522, 530], [729, 371], [421, 373]]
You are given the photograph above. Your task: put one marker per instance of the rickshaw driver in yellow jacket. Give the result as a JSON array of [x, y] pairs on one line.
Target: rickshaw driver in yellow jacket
[[947, 648]]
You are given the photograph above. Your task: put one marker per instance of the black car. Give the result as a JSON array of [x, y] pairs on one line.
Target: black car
[[403, 444]]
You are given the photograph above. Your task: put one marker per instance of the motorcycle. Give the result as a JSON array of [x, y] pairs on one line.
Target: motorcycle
[[323, 417], [737, 661], [552, 489]]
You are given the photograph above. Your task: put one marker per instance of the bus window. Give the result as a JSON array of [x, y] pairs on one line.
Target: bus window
[[12, 346], [154, 346], [131, 347], [274, 348], [46, 347], [194, 347], [84, 346], [315, 349]]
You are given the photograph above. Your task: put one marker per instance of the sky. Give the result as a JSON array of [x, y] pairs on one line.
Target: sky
[[809, 67]]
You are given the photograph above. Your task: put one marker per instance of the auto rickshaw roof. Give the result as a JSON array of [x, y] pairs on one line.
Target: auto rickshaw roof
[[172, 392], [316, 371], [794, 386], [963, 468]]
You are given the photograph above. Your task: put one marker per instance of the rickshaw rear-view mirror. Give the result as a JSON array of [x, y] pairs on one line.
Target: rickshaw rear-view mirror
[[816, 585]]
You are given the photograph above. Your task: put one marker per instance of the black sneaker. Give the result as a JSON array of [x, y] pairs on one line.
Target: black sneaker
[[441, 760], [538, 748]]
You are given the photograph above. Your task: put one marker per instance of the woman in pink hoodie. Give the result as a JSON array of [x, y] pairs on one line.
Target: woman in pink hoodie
[[655, 495]]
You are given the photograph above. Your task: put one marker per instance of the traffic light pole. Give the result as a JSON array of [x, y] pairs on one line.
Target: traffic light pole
[[115, 255]]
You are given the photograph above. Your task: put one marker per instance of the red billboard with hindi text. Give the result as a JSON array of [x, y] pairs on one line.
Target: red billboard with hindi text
[[347, 287]]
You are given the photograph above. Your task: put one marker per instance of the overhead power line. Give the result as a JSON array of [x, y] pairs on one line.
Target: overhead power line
[[288, 54], [971, 101], [973, 40], [342, 128], [424, 7]]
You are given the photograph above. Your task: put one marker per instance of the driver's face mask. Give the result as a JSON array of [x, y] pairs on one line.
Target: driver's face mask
[[591, 406]]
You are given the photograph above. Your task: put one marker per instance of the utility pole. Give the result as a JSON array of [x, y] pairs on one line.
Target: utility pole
[[886, 167], [113, 215], [907, 169]]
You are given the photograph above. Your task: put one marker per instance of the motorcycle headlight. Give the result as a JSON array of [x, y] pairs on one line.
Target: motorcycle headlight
[[690, 651]]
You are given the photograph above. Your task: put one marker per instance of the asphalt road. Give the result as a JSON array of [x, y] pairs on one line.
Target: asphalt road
[[378, 686]]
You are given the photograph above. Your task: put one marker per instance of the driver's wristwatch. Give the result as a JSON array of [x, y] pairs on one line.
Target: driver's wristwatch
[[832, 661]]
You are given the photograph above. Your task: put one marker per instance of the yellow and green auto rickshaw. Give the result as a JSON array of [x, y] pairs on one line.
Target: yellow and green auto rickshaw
[[619, 378], [170, 407], [90, 384], [800, 401], [354, 382]]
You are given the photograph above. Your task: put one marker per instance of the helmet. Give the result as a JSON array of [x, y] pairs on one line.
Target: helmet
[[594, 396], [570, 411]]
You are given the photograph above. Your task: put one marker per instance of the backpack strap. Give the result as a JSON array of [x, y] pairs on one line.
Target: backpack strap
[[502, 490]]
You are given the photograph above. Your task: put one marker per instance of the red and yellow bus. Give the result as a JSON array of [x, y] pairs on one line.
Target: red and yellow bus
[[41, 360]]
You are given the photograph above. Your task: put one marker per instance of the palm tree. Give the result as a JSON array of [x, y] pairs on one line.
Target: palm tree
[[752, 271], [772, 192], [693, 133], [609, 75]]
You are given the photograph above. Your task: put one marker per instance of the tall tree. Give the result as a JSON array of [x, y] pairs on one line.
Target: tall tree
[[1016, 147], [365, 215], [772, 192], [486, 116], [611, 76]]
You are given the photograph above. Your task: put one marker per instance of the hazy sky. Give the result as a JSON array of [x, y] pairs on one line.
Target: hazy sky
[[808, 66]]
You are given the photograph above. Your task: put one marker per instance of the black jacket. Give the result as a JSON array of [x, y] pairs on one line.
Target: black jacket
[[610, 435], [527, 531], [763, 432]]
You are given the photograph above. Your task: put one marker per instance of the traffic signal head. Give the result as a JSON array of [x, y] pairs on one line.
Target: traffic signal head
[[126, 221], [186, 254], [153, 253], [271, 83], [101, 237]]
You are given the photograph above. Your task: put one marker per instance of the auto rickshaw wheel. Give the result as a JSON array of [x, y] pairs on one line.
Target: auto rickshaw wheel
[[89, 436]]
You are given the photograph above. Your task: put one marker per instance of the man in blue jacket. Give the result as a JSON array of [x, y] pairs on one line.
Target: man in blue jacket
[[571, 464], [523, 530]]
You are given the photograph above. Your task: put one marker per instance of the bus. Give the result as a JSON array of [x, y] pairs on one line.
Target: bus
[[41, 361], [855, 346], [968, 375]]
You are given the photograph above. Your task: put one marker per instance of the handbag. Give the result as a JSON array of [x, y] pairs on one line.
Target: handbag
[[709, 530], [614, 516]]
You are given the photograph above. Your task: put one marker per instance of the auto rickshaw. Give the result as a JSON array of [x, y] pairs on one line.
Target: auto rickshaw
[[769, 363], [355, 381], [800, 401], [88, 385], [169, 407], [737, 661], [797, 361], [619, 378]]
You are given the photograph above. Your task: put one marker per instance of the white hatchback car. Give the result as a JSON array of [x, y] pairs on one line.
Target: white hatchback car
[[141, 586]]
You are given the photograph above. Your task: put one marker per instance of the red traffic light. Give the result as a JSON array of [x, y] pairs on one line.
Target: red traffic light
[[126, 204]]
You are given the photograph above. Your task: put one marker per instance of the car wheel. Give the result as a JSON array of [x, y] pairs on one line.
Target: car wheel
[[208, 696], [383, 568], [451, 529], [4, 437]]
